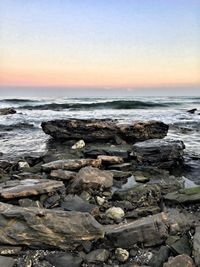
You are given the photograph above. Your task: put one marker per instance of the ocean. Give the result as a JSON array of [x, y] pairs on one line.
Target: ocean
[[21, 133]]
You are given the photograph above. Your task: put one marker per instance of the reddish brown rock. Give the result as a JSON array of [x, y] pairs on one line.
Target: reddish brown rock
[[71, 164], [90, 177], [109, 160]]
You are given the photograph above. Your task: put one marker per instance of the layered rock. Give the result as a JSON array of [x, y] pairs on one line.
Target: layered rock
[[161, 153], [44, 228], [71, 164], [149, 231], [28, 187], [104, 130]]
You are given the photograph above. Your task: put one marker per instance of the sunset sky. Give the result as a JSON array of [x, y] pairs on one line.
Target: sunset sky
[[100, 43]]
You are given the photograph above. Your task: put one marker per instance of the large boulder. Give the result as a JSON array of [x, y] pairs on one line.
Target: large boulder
[[44, 228], [104, 130], [160, 153]]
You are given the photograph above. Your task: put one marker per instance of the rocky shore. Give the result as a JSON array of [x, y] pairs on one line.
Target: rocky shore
[[106, 194]]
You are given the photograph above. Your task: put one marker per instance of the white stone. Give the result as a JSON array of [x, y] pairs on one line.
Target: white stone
[[115, 213], [100, 200], [79, 144], [121, 255], [23, 164]]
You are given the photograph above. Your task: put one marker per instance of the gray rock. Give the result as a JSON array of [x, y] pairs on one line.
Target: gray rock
[[28, 187], [6, 261], [44, 227], [75, 203], [104, 130], [161, 153], [98, 255], [181, 246], [71, 164], [89, 177], [180, 261], [65, 260], [121, 167], [120, 175], [159, 257], [196, 246], [184, 196], [149, 231]]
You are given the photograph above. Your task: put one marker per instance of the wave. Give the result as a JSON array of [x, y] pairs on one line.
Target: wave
[[18, 100], [117, 104], [17, 126]]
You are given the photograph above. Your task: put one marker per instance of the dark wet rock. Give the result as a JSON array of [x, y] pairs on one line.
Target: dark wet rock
[[44, 228], [28, 175], [196, 246], [98, 255], [75, 203], [109, 160], [62, 175], [5, 165], [180, 261], [181, 245], [192, 111], [120, 175], [65, 260], [89, 177], [121, 167], [104, 130], [143, 212], [51, 201], [160, 257], [7, 111], [118, 151], [184, 196], [149, 231], [6, 261], [28, 187], [160, 153], [71, 164], [140, 195]]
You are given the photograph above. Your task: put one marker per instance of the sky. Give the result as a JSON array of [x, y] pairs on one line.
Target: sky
[[100, 44]]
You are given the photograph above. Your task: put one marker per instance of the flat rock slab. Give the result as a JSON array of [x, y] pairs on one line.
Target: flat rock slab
[[109, 160], [62, 175], [104, 130], [6, 261], [46, 228], [89, 177], [184, 196], [28, 187], [180, 261], [158, 152], [149, 231], [71, 164]]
